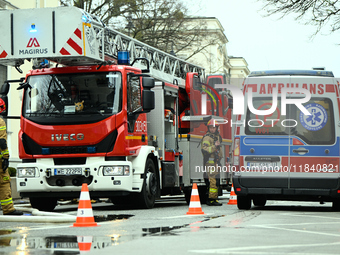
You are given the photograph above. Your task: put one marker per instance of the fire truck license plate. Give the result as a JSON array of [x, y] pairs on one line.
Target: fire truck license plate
[[67, 171], [65, 245]]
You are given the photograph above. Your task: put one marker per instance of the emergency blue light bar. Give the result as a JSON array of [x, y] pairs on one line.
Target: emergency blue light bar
[[123, 58], [292, 73]]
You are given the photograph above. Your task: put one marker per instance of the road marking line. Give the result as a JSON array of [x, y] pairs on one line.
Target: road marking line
[[228, 250], [309, 215], [299, 224], [297, 230]]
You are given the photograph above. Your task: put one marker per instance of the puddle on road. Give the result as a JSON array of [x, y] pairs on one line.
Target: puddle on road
[[71, 244], [161, 231], [62, 244], [57, 244], [112, 217]]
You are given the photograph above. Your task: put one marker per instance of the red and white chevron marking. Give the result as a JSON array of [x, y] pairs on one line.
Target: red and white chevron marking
[[73, 45], [3, 53]]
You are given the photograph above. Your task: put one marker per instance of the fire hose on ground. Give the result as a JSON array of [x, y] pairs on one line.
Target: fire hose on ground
[[38, 216]]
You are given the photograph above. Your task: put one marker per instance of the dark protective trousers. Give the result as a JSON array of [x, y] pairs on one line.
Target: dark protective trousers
[[6, 193], [212, 173]]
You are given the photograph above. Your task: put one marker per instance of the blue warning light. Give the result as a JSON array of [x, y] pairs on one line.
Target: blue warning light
[[33, 29], [123, 57]]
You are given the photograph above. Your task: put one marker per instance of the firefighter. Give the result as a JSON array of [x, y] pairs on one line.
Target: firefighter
[[212, 154], [5, 180]]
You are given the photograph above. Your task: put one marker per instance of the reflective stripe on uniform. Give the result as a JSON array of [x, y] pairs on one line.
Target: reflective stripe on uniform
[[211, 162], [207, 143], [6, 178], [6, 202], [2, 128], [211, 190], [5, 152]]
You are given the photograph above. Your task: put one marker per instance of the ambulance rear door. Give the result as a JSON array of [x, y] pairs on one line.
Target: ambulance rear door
[[265, 146], [314, 142]]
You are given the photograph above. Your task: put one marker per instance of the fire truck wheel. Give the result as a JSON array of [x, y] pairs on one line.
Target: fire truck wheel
[[46, 204], [125, 200], [259, 201], [149, 191], [243, 202]]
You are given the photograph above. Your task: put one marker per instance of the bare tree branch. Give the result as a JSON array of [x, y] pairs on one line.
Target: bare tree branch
[[315, 12]]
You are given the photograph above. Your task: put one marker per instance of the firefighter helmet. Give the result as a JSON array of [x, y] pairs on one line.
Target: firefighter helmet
[[212, 122], [2, 105]]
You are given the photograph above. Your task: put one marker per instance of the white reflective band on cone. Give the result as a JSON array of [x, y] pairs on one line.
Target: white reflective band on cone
[[84, 239], [85, 213], [84, 195], [194, 192], [194, 204]]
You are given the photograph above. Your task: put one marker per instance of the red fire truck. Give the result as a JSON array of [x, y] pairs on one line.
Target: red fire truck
[[129, 130]]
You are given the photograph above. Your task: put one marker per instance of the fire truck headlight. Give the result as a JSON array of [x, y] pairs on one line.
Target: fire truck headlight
[[26, 172], [113, 170]]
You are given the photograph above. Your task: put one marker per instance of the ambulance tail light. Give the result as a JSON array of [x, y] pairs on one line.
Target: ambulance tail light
[[237, 152]]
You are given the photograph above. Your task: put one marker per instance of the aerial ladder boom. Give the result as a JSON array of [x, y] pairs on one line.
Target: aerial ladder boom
[[70, 36]]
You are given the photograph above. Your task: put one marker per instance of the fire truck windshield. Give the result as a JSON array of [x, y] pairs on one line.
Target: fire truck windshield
[[72, 98]]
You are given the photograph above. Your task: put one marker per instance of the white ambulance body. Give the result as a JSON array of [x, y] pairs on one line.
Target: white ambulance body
[[288, 155]]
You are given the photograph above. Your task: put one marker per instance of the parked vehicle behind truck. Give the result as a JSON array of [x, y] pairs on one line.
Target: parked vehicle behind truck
[[287, 154]]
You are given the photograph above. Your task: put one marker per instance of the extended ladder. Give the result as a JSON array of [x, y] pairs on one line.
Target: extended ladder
[[70, 36]]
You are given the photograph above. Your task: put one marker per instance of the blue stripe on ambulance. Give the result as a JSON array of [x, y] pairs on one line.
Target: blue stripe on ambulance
[[277, 146]]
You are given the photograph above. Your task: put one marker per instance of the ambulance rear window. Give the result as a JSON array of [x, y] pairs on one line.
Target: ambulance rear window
[[317, 128]]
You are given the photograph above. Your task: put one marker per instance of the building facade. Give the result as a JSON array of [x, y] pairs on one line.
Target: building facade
[[213, 55]]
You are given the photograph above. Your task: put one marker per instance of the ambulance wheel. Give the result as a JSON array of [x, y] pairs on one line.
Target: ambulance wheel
[[243, 202], [147, 197], [259, 201], [46, 204], [336, 205]]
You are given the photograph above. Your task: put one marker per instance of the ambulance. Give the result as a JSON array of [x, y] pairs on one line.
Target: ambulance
[[286, 142]]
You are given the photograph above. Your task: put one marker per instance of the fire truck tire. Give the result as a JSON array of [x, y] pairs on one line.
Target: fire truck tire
[[259, 201], [46, 204], [147, 197], [125, 200], [243, 202]]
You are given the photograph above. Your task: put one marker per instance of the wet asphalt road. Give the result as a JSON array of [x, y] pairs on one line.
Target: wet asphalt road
[[278, 228]]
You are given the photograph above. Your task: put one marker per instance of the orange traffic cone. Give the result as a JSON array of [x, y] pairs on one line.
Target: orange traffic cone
[[85, 215], [233, 197], [195, 204], [84, 243]]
